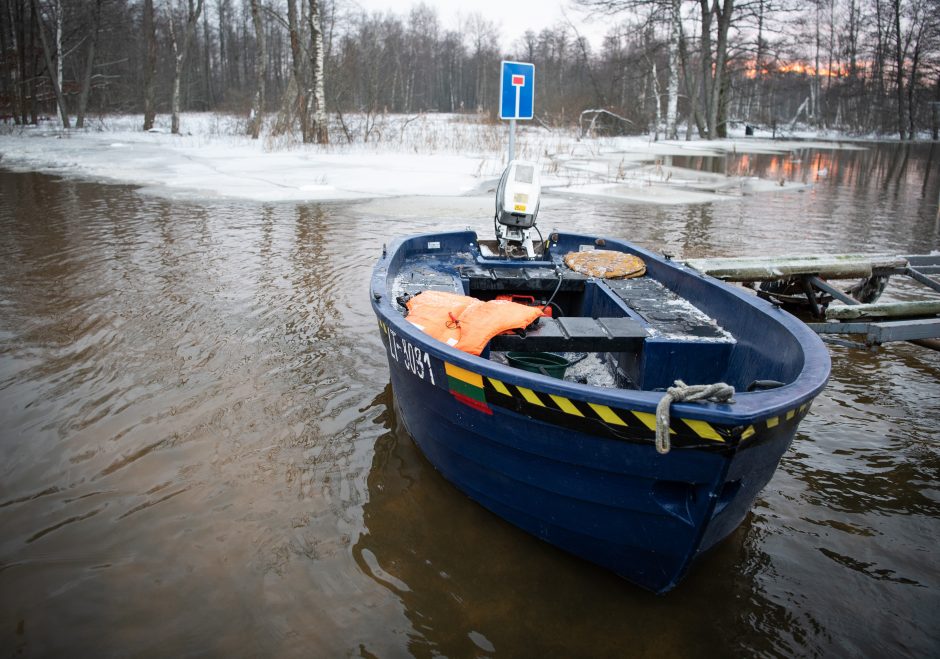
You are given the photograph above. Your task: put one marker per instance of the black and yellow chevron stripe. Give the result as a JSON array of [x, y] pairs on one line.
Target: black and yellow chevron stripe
[[623, 424]]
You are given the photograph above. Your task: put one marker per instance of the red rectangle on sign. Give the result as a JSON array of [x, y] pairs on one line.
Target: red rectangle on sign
[[518, 80]]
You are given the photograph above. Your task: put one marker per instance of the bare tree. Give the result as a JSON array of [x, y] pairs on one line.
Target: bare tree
[[900, 55], [150, 65], [715, 71], [180, 44], [298, 62], [256, 119], [8, 45], [89, 65], [53, 77], [859, 65], [319, 127], [672, 91], [672, 10]]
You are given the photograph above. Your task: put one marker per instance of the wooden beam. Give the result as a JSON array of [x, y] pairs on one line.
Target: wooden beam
[[884, 310], [830, 266]]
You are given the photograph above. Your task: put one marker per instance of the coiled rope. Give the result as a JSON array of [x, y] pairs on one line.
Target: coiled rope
[[682, 392]]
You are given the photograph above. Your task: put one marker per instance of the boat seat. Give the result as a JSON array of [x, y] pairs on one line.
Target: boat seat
[[668, 315], [529, 279], [575, 334]]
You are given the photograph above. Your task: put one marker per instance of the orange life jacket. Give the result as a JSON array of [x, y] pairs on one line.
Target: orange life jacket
[[464, 322]]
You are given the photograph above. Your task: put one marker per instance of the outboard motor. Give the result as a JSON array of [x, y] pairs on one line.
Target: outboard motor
[[517, 204]]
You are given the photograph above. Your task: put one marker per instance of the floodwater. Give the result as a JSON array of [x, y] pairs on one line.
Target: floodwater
[[199, 452]]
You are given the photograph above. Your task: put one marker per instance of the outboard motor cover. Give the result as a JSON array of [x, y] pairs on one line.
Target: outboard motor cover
[[518, 194]]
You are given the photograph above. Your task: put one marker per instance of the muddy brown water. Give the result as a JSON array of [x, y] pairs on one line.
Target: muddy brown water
[[199, 453]]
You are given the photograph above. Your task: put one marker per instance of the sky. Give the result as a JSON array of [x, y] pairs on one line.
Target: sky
[[513, 16]]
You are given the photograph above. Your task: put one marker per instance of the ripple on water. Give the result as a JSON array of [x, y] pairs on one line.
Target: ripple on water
[[198, 446]]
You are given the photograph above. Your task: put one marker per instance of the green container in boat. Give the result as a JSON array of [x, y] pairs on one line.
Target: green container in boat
[[539, 362]]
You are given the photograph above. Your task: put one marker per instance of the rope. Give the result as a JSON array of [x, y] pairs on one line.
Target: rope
[[717, 393]]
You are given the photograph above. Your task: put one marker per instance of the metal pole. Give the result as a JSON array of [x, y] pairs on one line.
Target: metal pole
[[512, 140]]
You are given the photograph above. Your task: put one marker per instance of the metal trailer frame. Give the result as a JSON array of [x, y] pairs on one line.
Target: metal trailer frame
[[917, 322]]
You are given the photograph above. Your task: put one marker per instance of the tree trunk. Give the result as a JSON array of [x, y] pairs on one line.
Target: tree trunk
[[89, 67], [814, 84], [935, 130], [759, 64], [899, 63], [57, 90], [691, 90], [707, 74], [180, 50], [672, 88], [221, 8], [8, 88], [716, 122], [657, 107], [257, 107], [59, 55], [320, 126], [207, 60], [150, 66], [32, 73], [297, 61], [915, 64], [18, 25]]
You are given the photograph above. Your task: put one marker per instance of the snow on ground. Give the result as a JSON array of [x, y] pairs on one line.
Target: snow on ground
[[434, 155]]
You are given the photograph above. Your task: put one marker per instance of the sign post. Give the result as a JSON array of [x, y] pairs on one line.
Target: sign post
[[516, 96]]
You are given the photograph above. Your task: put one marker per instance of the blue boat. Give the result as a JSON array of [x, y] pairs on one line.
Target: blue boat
[[576, 460]]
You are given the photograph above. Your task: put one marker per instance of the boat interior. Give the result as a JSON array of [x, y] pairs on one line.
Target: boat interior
[[658, 324]]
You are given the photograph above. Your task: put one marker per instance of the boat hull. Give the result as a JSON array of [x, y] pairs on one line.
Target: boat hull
[[614, 501], [577, 465]]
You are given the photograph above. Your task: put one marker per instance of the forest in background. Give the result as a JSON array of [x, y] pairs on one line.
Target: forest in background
[[670, 68]]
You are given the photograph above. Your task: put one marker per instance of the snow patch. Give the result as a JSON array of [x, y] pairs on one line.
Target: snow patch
[[435, 155]]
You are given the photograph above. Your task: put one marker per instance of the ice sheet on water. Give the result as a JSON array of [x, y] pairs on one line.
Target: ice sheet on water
[[437, 154]]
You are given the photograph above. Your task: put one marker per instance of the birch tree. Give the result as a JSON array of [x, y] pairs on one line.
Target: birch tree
[[180, 44], [319, 120], [255, 120], [672, 87]]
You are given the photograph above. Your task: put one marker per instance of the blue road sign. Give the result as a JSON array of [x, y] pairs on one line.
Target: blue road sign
[[517, 90]]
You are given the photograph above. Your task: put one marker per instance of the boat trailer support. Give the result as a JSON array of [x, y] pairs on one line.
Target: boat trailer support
[[917, 275], [832, 290], [817, 309], [917, 322], [812, 283], [923, 332]]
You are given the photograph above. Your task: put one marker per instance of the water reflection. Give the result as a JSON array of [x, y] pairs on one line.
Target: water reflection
[[866, 198], [697, 231], [472, 585]]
